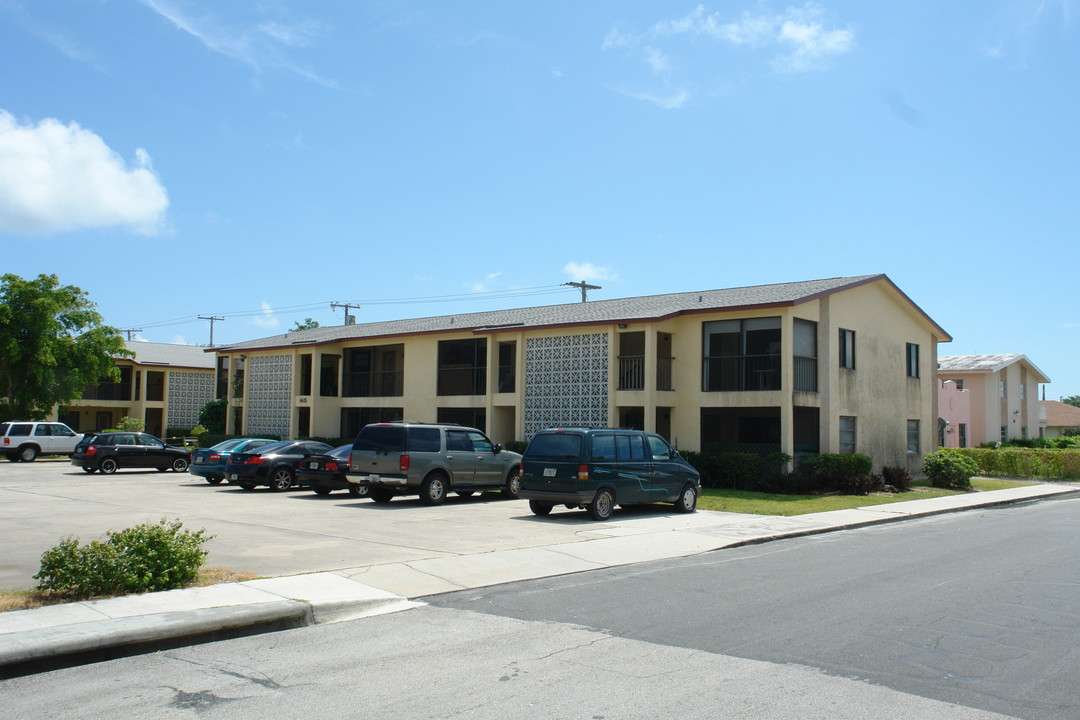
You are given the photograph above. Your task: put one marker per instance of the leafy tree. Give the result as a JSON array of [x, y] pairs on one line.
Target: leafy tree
[[212, 415], [1072, 400], [308, 324], [52, 345]]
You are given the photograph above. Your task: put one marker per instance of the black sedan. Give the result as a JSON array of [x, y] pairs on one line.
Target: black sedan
[[110, 451], [273, 464], [326, 473]]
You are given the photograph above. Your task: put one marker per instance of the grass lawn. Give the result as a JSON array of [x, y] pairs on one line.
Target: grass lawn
[[755, 503]]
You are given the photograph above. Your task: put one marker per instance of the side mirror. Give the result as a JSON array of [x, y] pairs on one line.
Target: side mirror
[[497, 449]]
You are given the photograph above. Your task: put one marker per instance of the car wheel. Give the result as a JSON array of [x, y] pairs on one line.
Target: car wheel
[[602, 505], [281, 479], [433, 489], [214, 480], [28, 453], [88, 469], [247, 486], [687, 501], [320, 490], [179, 465], [513, 484], [358, 490], [540, 508], [381, 495], [107, 466]]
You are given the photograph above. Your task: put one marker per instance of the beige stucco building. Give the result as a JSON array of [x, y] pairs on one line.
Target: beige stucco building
[[834, 365], [163, 384], [1003, 398]]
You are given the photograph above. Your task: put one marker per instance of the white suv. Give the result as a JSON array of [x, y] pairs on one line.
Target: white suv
[[24, 441]]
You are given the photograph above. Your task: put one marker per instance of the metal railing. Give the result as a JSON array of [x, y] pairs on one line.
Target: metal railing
[[381, 383], [805, 374], [107, 391], [733, 373], [462, 381]]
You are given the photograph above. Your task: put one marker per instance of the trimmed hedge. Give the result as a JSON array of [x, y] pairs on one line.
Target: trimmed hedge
[[1026, 462]]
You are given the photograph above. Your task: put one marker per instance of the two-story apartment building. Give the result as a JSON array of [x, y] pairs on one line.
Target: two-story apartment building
[[834, 365], [1003, 399], [164, 384]]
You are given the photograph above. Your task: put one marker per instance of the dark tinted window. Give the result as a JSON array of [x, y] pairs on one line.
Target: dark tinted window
[[630, 447], [458, 440], [603, 447], [555, 446], [20, 429], [340, 452], [381, 438], [150, 441], [660, 450], [425, 440]]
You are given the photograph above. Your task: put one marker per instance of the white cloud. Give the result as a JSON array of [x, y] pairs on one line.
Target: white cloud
[[266, 320], [481, 286], [657, 60], [587, 272], [56, 177], [666, 99]]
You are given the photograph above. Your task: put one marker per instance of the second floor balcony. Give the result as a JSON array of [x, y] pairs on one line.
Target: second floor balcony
[[386, 383], [108, 391], [735, 373]]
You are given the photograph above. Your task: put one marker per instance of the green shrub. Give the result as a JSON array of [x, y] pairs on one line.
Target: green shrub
[[144, 558], [838, 472], [896, 477], [212, 415], [517, 446], [947, 468], [130, 424]]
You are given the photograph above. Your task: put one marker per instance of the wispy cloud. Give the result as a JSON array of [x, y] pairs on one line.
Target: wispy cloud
[[588, 272], [485, 285], [262, 47], [794, 40], [1021, 26], [56, 177], [266, 320]]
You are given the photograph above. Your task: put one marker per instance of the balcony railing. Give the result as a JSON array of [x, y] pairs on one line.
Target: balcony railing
[[805, 374], [733, 373], [507, 379], [383, 383], [107, 391], [664, 370], [632, 372], [462, 381]]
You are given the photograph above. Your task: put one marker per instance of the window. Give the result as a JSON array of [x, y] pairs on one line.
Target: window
[[741, 355], [847, 349], [913, 436], [963, 435], [1003, 389], [959, 384], [660, 450], [847, 434], [1023, 391], [804, 334], [1004, 433], [912, 360]]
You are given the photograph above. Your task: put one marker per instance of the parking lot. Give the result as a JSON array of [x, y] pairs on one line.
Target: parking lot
[[259, 531]]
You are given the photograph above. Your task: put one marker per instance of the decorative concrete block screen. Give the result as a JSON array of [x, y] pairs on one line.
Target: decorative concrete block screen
[[268, 399], [188, 392], [566, 382]]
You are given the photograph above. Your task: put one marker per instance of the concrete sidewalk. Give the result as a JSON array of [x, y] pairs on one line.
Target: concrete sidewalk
[[65, 635]]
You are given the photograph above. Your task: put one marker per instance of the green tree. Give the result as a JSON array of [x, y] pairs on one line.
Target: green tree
[[1072, 400], [212, 415], [52, 345], [308, 324]]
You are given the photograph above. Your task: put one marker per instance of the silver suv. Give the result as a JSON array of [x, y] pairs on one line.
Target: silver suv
[[24, 441], [404, 458]]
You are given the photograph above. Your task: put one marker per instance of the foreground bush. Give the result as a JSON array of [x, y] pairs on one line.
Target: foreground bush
[[947, 468], [144, 558]]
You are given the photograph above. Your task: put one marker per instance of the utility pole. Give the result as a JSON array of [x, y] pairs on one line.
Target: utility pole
[[212, 320], [129, 332], [335, 305], [583, 287]]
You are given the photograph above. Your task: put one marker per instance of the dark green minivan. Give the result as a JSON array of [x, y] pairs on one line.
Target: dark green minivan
[[596, 469]]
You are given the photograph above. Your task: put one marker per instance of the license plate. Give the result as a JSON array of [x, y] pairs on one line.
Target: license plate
[[374, 478], [234, 476], [313, 466], [549, 472]]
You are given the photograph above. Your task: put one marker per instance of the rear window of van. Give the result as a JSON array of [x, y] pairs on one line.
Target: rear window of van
[[554, 446], [380, 438]]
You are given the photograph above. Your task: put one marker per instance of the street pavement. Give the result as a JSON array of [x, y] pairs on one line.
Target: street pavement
[[74, 633]]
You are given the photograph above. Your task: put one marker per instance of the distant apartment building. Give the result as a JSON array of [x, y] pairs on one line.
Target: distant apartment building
[[1001, 404], [833, 365], [165, 385]]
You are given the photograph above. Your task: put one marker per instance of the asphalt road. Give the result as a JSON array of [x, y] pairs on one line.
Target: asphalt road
[[981, 609], [262, 532]]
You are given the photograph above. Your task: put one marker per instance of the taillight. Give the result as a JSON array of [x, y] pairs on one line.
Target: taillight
[[214, 457], [403, 463], [331, 466], [254, 460], [92, 450], [350, 459], [583, 472], [520, 469]]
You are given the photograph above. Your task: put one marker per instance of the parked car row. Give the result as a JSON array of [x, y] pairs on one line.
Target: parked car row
[[591, 468]]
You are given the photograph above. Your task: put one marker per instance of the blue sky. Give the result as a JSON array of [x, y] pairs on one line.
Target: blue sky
[[259, 160]]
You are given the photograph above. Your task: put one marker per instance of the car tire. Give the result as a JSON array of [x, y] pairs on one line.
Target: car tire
[[602, 505], [687, 502], [179, 465], [358, 490], [320, 490], [381, 495], [540, 508], [281, 479], [433, 489], [108, 466], [28, 453], [214, 480], [513, 484], [89, 470]]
